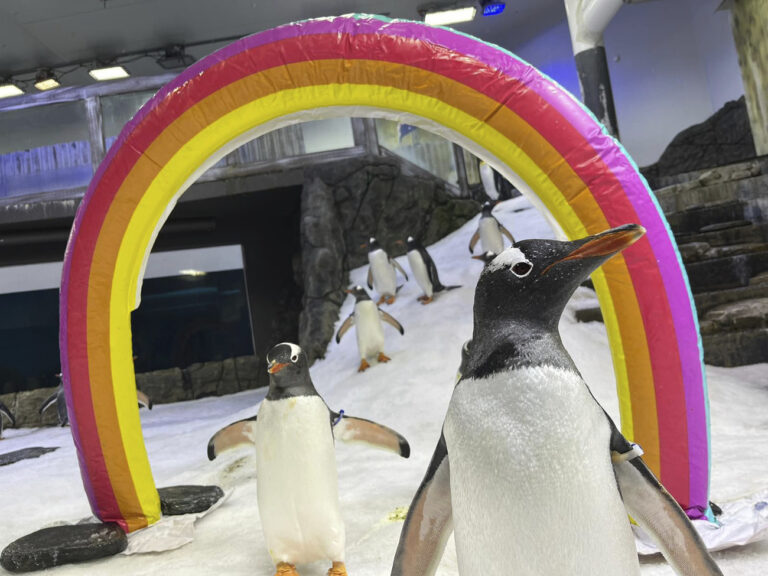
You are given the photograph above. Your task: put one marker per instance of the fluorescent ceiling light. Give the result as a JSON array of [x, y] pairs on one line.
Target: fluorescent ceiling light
[[453, 16], [111, 73], [47, 84], [8, 90], [192, 272]]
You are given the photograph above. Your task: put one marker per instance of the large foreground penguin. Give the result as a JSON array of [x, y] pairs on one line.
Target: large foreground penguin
[[297, 485], [530, 472]]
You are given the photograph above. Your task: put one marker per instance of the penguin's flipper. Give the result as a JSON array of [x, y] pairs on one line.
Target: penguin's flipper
[[507, 233], [236, 434], [654, 509], [429, 522], [358, 430], [48, 402], [391, 321], [473, 241], [144, 400], [396, 264], [4, 411], [370, 278], [346, 325]]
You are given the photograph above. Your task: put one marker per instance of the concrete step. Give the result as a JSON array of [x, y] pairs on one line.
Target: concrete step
[[733, 316], [761, 163], [752, 190], [701, 251], [705, 301], [739, 232], [724, 273], [736, 348], [695, 219]]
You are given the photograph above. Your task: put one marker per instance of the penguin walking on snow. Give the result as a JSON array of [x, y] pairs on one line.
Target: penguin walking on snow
[[381, 272], [489, 231], [424, 270], [367, 317], [530, 473], [297, 487], [5, 413]]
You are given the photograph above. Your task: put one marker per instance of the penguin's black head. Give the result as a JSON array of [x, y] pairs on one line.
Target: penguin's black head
[[359, 293], [373, 244], [286, 364], [531, 282], [487, 209]]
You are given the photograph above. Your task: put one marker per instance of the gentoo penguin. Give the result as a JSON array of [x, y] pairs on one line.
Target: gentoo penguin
[[5, 413], [59, 399], [529, 471], [297, 486], [367, 316], [488, 179], [381, 272], [424, 270], [489, 231]]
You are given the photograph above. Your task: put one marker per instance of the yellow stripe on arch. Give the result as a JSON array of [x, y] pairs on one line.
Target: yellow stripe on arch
[[173, 165]]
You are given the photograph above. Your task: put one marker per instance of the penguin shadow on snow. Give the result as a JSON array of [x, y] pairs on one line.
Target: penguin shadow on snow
[[367, 319], [297, 486]]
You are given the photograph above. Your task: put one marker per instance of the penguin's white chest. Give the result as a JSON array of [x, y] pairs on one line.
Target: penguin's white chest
[[490, 236], [370, 334], [419, 269], [384, 276], [297, 481], [532, 485]]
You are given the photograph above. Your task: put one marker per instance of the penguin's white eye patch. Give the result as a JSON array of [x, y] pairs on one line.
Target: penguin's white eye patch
[[522, 269], [513, 259], [294, 358]]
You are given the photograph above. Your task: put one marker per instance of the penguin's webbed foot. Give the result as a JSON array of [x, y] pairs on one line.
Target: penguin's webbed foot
[[381, 301], [363, 365], [383, 357], [338, 569], [285, 569], [390, 300], [426, 299]]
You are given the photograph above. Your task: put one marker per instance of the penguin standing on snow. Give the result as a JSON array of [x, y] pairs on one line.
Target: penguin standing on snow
[[381, 272], [530, 473], [370, 334], [424, 270], [489, 231], [5, 413], [294, 434]]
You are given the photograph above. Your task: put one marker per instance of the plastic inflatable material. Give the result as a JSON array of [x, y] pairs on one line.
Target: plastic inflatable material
[[486, 99]]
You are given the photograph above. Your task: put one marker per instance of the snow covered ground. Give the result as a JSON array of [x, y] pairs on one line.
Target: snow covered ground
[[410, 394]]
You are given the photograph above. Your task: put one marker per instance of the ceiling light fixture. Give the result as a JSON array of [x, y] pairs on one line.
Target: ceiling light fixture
[[192, 272], [109, 73], [45, 79], [10, 89], [436, 16]]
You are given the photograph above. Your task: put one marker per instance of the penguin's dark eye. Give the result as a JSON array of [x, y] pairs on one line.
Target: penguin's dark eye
[[294, 358], [522, 269]]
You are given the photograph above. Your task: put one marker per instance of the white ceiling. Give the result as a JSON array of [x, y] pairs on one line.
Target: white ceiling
[[40, 33]]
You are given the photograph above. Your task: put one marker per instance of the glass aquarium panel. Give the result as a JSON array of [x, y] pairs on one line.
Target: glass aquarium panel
[[425, 149], [472, 165], [44, 148]]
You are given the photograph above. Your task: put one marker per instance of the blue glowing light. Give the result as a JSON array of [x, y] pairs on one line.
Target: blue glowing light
[[493, 8]]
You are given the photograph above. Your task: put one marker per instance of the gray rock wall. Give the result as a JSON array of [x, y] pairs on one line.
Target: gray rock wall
[[345, 203]]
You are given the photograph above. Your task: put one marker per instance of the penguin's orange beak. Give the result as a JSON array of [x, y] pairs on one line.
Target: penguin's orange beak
[[605, 244], [275, 367]]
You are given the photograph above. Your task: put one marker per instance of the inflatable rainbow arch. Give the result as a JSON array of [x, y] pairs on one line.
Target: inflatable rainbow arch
[[479, 95]]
